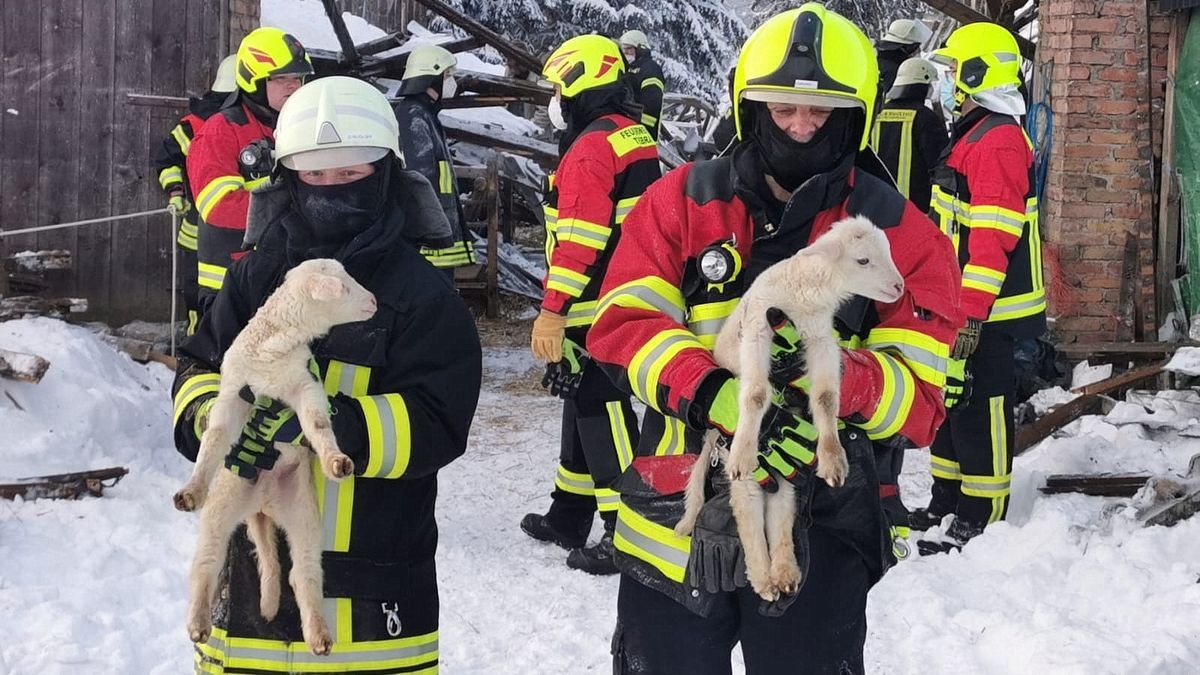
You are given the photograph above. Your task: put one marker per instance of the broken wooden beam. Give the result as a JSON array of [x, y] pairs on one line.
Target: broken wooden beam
[[38, 261], [499, 42], [64, 485], [22, 367], [486, 83], [487, 101], [965, 15], [541, 152], [1031, 434], [1123, 380], [26, 305], [1097, 485]]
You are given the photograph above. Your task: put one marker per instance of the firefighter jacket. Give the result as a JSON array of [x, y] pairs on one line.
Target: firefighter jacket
[[223, 188], [659, 318], [403, 388], [599, 179], [909, 138], [170, 161], [423, 142], [983, 198], [646, 77]]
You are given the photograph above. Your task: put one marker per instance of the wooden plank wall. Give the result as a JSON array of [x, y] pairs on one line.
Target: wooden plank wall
[[389, 15], [73, 147]]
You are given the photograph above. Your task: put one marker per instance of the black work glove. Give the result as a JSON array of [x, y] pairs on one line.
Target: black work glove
[[967, 339], [562, 378], [715, 562]]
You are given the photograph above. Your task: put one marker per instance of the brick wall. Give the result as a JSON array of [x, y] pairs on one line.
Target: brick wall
[[1103, 56]]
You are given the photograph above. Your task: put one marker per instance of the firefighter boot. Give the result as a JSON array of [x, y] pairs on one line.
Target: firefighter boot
[[599, 559], [953, 539], [924, 519], [557, 530]]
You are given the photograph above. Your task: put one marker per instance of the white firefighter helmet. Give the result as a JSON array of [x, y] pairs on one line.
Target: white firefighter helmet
[[225, 81], [634, 38], [425, 60], [916, 71], [907, 32], [335, 121]]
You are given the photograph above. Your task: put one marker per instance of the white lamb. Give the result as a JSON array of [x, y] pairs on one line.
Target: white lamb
[[853, 258], [271, 356]]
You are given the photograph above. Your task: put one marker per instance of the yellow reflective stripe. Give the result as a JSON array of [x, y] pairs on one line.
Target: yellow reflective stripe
[[650, 293], [551, 217], [653, 82], [211, 194], [672, 441], [705, 320], [927, 357], [988, 487], [905, 119], [623, 207], [210, 276], [944, 468], [607, 500], [950, 212], [982, 279], [651, 542], [997, 486], [187, 241], [566, 281], [895, 401], [991, 217], [389, 435], [620, 433], [649, 120], [347, 378], [1035, 241], [647, 364], [169, 175], [338, 617], [445, 178], [193, 388], [581, 313], [574, 483], [457, 255], [625, 141], [584, 233], [182, 139], [294, 657], [1018, 306]]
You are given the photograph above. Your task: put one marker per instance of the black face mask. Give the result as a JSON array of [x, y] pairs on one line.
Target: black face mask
[[337, 213], [790, 162]]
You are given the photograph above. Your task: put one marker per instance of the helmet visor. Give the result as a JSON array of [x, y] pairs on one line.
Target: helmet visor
[[790, 96], [332, 158]]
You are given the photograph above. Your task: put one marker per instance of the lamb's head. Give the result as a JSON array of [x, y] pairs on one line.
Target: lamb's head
[[328, 294], [863, 252]]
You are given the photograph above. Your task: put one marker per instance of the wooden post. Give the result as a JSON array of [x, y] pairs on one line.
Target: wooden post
[[493, 237], [1167, 236]]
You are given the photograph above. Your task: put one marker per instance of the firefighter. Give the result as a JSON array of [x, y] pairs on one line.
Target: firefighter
[[170, 163], [902, 41], [608, 160], [983, 198], [231, 155], [402, 388], [428, 78], [646, 77], [805, 91], [909, 137]]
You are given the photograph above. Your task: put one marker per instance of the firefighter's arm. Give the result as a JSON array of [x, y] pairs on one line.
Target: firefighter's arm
[[222, 194], [198, 374], [892, 384], [420, 420], [651, 97], [421, 152], [171, 157], [933, 137], [998, 181], [640, 336], [585, 210]]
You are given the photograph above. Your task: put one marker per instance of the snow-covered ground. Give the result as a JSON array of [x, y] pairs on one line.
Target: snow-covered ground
[[1068, 585]]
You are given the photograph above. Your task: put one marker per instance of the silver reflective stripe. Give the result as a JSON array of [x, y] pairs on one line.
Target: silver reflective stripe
[[570, 232], [1005, 57], [650, 297], [648, 363], [981, 278], [578, 286], [893, 411], [996, 488], [387, 424], [708, 326], [607, 500], [579, 484], [217, 189], [300, 654], [913, 353], [329, 611], [329, 517], [1005, 308], [669, 554], [1018, 223]]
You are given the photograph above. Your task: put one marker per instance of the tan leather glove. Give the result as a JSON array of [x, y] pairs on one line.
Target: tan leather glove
[[547, 339]]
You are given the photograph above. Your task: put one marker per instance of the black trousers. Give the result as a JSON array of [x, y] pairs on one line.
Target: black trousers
[[599, 433], [189, 287], [971, 458], [823, 632]]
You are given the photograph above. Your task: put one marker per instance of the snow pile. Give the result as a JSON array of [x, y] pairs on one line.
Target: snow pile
[[1186, 361]]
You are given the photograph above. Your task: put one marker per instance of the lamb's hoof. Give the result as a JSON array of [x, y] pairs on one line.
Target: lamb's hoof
[[833, 470], [762, 585], [187, 500], [199, 632], [268, 606], [742, 467], [785, 576], [339, 466], [684, 528]]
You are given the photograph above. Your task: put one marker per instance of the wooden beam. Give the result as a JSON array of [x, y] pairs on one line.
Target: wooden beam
[[488, 101], [1122, 380], [1167, 249], [63, 486], [484, 33], [22, 367], [1032, 434], [350, 55], [964, 15], [541, 152]]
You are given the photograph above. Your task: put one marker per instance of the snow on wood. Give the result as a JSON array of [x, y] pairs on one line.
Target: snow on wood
[[21, 366], [63, 486]]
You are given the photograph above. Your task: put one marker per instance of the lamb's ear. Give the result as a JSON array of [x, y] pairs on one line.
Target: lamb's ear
[[322, 287], [833, 249]]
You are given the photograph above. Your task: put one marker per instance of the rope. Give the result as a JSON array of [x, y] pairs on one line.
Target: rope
[[1040, 127], [77, 223]]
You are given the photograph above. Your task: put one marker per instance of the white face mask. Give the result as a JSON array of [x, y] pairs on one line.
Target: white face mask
[[449, 87], [946, 94], [554, 110]]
